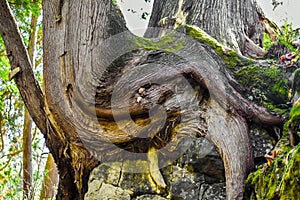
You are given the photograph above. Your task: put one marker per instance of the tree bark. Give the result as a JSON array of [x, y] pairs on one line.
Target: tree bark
[[34, 101], [27, 133], [106, 93], [51, 179], [233, 23], [27, 156]]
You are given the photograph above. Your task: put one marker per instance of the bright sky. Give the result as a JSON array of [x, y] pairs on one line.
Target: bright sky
[[134, 20], [290, 10]]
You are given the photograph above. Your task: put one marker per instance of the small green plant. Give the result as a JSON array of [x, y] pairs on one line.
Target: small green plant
[[114, 2], [289, 36], [267, 43]]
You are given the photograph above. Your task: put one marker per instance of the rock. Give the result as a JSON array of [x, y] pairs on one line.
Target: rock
[[150, 197], [205, 159], [94, 187], [262, 143], [185, 183], [106, 192], [108, 172], [197, 175], [212, 192]]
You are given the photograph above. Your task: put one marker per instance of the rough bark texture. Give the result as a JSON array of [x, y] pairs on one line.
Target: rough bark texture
[[34, 101], [233, 23], [96, 95], [72, 32], [80, 81]]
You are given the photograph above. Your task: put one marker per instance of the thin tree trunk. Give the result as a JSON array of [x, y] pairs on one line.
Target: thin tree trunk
[[50, 179], [27, 133], [27, 155]]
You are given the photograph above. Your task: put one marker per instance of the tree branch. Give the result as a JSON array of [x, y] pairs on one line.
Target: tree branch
[[18, 57]]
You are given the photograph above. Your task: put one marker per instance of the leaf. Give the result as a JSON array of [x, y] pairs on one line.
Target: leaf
[[145, 15]]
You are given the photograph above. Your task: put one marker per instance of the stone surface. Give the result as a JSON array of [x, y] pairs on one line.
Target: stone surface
[[150, 197], [106, 192], [197, 175], [212, 192], [185, 183], [262, 143]]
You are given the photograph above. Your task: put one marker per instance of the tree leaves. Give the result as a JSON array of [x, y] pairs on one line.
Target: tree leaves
[[276, 3], [145, 15]]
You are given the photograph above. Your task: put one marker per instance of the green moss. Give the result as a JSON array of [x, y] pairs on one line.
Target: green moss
[[296, 82], [230, 57], [266, 86], [253, 177], [291, 181], [294, 119], [168, 43], [280, 180], [285, 131], [171, 43], [295, 114]]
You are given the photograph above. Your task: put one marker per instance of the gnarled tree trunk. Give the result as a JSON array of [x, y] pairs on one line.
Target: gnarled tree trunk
[[112, 96]]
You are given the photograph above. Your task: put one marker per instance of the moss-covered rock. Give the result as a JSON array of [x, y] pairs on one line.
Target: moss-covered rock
[[279, 180], [264, 85], [294, 116]]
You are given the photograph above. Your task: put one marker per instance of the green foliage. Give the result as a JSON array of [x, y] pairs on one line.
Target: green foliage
[[145, 15], [11, 117], [115, 2], [23, 10], [267, 43], [288, 36], [276, 3], [139, 11]]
